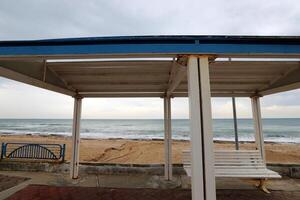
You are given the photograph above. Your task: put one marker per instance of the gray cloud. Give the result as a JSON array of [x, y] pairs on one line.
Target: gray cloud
[[36, 19], [50, 19], [290, 98]]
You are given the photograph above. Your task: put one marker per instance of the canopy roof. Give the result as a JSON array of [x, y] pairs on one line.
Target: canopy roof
[[153, 66]]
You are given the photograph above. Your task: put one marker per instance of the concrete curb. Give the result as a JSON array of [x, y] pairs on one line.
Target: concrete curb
[[291, 170]]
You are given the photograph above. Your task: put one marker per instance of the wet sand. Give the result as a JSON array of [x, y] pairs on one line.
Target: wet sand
[[149, 151]]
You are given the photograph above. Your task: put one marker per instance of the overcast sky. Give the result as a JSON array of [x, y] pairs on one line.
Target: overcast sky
[[37, 19]]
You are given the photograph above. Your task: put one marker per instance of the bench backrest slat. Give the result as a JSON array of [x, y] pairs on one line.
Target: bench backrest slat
[[250, 158], [32, 151], [236, 163]]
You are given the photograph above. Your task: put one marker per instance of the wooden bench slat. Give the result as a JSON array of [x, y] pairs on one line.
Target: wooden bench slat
[[237, 156], [250, 174], [239, 167], [236, 163], [233, 151]]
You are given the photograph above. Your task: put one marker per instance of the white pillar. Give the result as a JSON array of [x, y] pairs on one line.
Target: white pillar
[[203, 177], [259, 137], [74, 165], [168, 138]]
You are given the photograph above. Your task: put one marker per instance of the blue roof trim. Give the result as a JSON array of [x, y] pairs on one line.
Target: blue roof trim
[[154, 44]]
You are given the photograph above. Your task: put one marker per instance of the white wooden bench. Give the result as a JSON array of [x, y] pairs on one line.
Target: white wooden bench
[[237, 164]]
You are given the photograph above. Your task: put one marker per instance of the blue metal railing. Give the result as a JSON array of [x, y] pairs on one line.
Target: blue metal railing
[[33, 151]]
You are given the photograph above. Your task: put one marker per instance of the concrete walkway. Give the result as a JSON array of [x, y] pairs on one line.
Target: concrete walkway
[[137, 181], [45, 192]]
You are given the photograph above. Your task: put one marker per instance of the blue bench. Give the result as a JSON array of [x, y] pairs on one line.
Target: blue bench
[[33, 151]]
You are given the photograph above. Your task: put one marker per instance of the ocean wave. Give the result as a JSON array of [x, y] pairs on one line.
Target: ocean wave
[[53, 124], [149, 129], [90, 135]]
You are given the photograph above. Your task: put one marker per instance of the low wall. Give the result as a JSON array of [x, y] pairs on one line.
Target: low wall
[[292, 171], [154, 169], [6, 165], [89, 168]]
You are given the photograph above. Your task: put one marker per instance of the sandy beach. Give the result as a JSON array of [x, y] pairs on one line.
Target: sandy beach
[[149, 151]]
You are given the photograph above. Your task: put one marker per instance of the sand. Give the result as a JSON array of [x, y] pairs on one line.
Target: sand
[[149, 151]]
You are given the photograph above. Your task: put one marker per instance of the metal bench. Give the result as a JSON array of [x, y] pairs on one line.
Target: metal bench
[[237, 164], [33, 151]]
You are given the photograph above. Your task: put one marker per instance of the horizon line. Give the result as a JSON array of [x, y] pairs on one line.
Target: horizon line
[[143, 118]]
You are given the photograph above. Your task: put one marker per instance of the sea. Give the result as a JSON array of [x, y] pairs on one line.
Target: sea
[[275, 130]]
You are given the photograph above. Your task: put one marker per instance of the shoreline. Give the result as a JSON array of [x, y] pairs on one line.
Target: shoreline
[[136, 139], [146, 151]]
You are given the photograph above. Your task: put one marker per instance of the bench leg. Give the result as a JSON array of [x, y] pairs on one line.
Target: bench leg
[[262, 185]]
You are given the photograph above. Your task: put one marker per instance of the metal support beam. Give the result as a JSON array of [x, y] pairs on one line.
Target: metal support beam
[[168, 138], [45, 71], [60, 78], [259, 137], [177, 75], [289, 80], [236, 136], [74, 165], [203, 176], [13, 75]]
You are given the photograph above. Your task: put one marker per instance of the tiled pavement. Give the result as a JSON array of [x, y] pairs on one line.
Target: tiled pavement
[[10, 181], [40, 192], [94, 185]]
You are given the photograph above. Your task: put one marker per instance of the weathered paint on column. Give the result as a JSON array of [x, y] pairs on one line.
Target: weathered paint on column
[[168, 138], [203, 177], [259, 137], [74, 165]]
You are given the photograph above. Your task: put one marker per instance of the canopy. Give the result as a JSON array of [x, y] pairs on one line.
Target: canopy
[[153, 66]]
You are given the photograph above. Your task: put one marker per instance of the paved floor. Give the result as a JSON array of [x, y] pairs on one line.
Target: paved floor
[[10, 181], [40, 192], [141, 181]]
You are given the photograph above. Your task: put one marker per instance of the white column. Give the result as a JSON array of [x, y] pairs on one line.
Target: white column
[[74, 165], [203, 177], [259, 137], [168, 138]]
